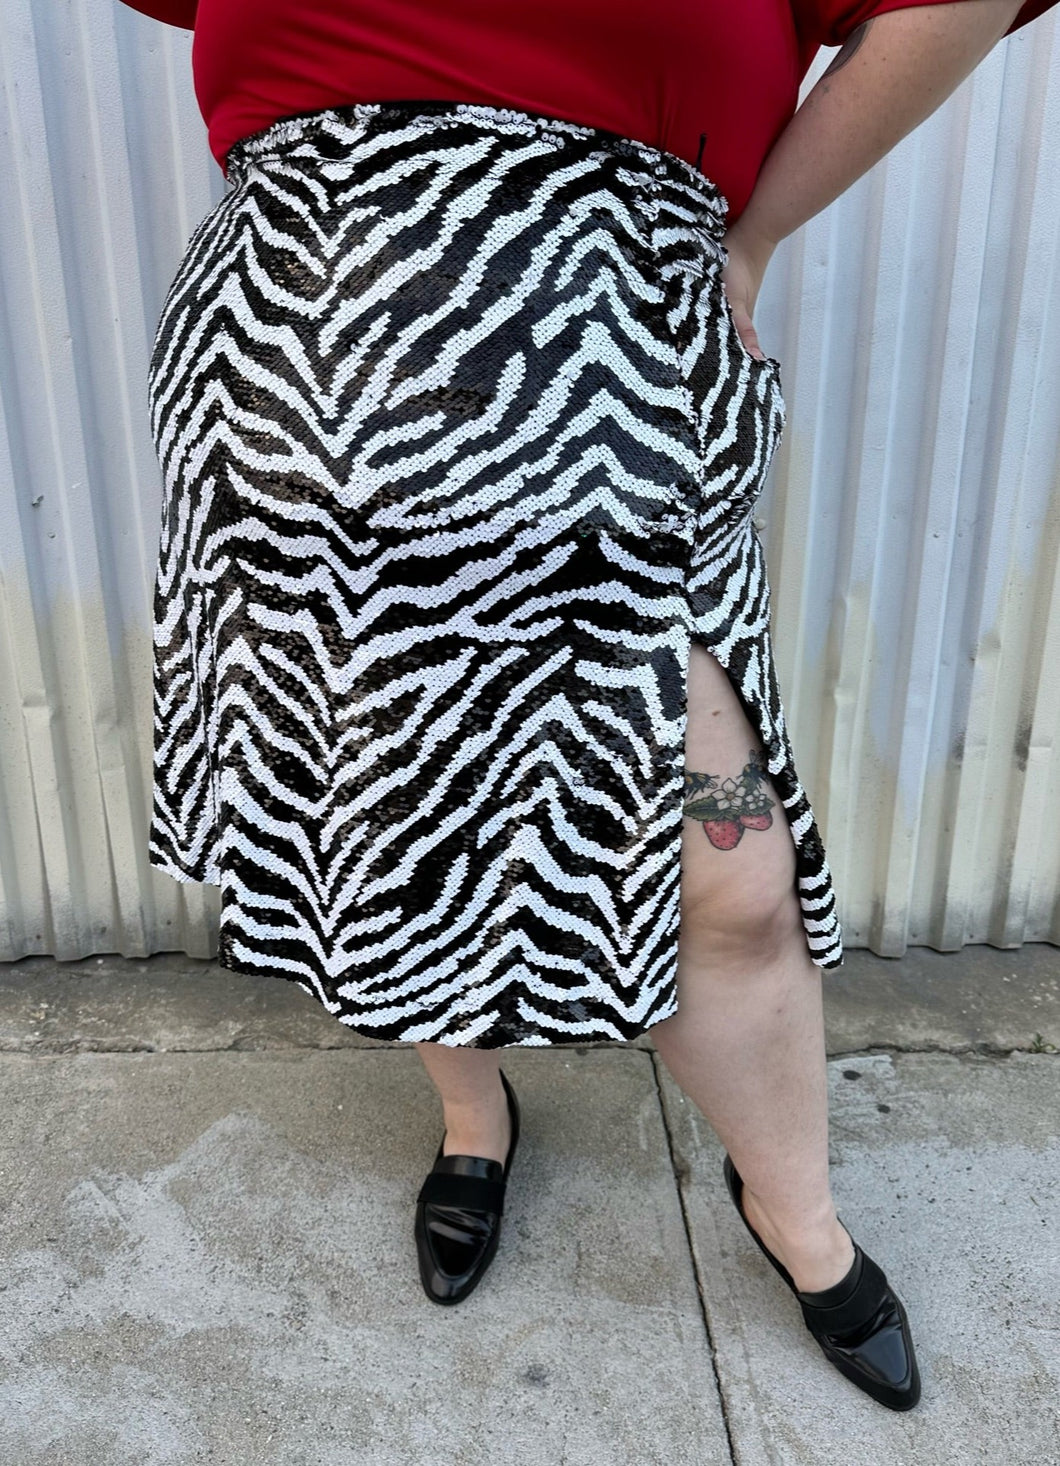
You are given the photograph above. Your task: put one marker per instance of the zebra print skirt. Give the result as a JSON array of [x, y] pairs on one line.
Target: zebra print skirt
[[460, 449]]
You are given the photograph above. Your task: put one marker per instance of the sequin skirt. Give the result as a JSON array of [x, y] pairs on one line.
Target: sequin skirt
[[460, 450]]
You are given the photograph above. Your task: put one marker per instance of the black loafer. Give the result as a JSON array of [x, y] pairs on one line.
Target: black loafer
[[860, 1322], [458, 1216]]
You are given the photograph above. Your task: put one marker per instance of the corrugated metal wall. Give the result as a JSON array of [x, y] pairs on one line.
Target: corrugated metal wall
[[912, 520]]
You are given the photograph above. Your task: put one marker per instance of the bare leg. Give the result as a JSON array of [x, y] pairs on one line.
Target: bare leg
[[473, 1099], [747, 1042]]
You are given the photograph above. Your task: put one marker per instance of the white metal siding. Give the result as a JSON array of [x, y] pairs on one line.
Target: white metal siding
[[912, 520]]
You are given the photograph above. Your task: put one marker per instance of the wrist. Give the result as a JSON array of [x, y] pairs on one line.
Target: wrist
[[754, 242]]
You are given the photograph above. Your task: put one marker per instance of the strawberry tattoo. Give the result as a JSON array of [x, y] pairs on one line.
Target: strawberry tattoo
[[729, 807], [724, 834]]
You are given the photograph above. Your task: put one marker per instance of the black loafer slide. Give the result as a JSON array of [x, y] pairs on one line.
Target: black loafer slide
[[458, 1216], [860, 1322]]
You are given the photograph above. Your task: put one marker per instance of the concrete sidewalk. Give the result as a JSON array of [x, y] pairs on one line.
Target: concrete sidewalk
[[208, 1190]]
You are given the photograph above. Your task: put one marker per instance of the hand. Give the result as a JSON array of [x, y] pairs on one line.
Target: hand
[[742, 280]]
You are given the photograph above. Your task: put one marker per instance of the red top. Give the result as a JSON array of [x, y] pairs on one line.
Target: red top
[[661, 73]]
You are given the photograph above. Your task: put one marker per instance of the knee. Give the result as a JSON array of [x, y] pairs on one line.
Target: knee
[[743, 918]]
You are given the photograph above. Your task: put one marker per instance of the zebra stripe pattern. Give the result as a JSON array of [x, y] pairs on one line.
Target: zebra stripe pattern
[[460, 449]]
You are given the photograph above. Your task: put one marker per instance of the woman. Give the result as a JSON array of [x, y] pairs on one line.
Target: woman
[[465, 693]]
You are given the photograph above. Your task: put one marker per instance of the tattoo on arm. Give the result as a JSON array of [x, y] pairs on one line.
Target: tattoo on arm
[[850, 45]]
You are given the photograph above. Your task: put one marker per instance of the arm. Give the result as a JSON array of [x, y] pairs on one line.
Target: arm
[[891, 74]]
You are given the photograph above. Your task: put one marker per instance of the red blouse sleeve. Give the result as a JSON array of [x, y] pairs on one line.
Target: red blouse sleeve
[[830, 22], [172, 12]]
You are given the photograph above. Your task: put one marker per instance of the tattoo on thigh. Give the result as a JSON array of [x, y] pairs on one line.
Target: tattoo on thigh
[[728, 807], [850, 45]]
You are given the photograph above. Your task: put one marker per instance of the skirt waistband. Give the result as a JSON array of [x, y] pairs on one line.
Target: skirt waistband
[[330, 129]]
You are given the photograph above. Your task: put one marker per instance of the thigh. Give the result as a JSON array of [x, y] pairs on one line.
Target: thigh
[[737, 854]]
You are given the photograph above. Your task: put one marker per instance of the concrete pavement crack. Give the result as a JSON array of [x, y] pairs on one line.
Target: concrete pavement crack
[[680, 1175]]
